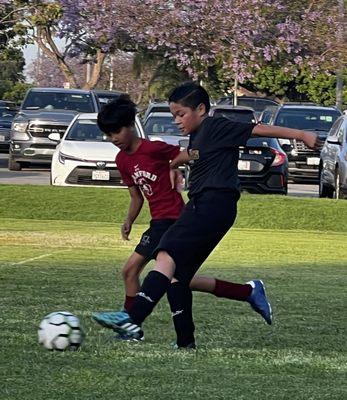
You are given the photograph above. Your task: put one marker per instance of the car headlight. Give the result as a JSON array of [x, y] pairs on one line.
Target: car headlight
[[19, 131], [64, 157], [20, 126]]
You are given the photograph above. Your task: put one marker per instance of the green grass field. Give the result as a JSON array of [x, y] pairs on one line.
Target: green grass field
[[60, 249]]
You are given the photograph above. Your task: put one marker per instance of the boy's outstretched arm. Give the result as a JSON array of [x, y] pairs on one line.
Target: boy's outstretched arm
[[309, 138], [135, 206], [182, 158]]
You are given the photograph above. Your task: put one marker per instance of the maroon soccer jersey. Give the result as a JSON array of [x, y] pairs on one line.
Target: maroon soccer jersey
[[149, 169]]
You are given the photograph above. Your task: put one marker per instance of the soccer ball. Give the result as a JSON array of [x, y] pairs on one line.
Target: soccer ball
[[60, 331]]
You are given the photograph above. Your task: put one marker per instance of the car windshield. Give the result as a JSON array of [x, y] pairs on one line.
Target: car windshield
[[86, 130], [58, 101], [307, 119], [7, 114], [235, 115], [257, 104], [107, 98], [161, 126]]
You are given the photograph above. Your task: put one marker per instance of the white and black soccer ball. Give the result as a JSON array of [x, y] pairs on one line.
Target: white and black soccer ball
[[60, 331]]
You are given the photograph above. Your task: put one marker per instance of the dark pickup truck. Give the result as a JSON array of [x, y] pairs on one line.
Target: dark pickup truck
[[45, 111]]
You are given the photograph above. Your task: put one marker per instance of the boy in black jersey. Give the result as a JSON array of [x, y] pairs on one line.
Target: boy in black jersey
[[213, 152]]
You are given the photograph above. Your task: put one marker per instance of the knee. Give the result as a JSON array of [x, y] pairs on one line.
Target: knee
[[164, 258]]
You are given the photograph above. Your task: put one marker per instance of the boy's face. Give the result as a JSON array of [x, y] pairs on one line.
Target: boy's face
[[188, 119], [123, 138]]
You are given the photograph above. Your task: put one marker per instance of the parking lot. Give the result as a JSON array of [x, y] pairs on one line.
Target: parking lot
[[40, 176]]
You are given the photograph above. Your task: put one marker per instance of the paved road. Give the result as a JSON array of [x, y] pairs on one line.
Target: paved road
[[40, 176]]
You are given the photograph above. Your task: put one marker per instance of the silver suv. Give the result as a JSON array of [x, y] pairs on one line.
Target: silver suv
[[333, 162], [45, 111]]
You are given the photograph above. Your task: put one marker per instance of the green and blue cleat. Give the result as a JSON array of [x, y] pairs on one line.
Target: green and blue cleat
[[120, 322]]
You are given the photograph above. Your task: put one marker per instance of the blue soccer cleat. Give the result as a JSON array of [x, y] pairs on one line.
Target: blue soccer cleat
[[125, 337], [258, 300], [120, 322]]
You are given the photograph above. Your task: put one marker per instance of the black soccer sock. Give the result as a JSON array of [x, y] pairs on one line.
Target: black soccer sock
[[152, 290], [180, 299]]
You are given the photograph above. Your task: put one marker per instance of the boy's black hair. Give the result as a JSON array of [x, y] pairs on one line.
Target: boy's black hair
[[190, 94], [117, 114]]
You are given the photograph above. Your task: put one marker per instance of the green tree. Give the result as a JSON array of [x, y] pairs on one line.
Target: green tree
[[11, 57]]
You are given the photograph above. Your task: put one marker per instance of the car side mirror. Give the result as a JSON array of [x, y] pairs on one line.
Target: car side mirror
[[54, 136], [333, 140]]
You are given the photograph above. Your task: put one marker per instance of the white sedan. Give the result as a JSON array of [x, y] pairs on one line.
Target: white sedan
[[83, 157]]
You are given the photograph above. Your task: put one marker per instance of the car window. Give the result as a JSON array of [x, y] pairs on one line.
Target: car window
[[107, 98], [235, 115], [7, 114], [87, 130], [266, 117], [335, 127], [58, 101], [257, 104], [164, 125], [307, 119], [340, 133]]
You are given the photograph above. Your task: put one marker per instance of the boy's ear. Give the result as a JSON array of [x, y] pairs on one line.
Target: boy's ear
[[201, 109]]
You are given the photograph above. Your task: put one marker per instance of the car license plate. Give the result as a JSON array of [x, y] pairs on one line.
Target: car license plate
[[313, 160], [101, 175], [2, 138], [244, 165]]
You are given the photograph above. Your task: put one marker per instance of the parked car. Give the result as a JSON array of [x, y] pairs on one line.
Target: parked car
[[7, 113], [156, 107], [105, 96], [263, 165], [235, 113], [45, 111], [84, 157], [161, 126], [303, 162], [333, 162], [257, 103]]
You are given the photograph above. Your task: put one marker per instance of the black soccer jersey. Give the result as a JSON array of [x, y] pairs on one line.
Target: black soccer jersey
[[214, 149]]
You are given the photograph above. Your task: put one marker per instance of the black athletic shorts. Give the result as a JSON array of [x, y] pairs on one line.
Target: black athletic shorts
[[206, 218], [151, 237]]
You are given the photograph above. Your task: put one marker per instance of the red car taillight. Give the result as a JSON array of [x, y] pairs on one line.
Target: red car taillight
[[280, 158]]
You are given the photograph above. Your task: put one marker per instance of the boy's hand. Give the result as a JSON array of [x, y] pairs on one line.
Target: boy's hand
[[312, 140], [177, 180], [125, 230]]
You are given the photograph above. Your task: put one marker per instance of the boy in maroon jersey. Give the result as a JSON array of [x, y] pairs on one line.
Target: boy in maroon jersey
[[145, 168]]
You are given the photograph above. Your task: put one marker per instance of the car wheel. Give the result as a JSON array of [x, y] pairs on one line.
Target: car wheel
[[324, 190], [338, 194], [13, 165]]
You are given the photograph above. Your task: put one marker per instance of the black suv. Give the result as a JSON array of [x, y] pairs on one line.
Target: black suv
[[45, 111], [303, 162], [8, 110]]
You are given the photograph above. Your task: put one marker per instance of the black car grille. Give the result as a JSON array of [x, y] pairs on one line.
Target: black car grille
[[43, 146], [43, 130], [301, 148], [83, 176]]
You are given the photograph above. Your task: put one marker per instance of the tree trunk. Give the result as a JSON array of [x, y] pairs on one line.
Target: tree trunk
[[46, 43], [96, 73]]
